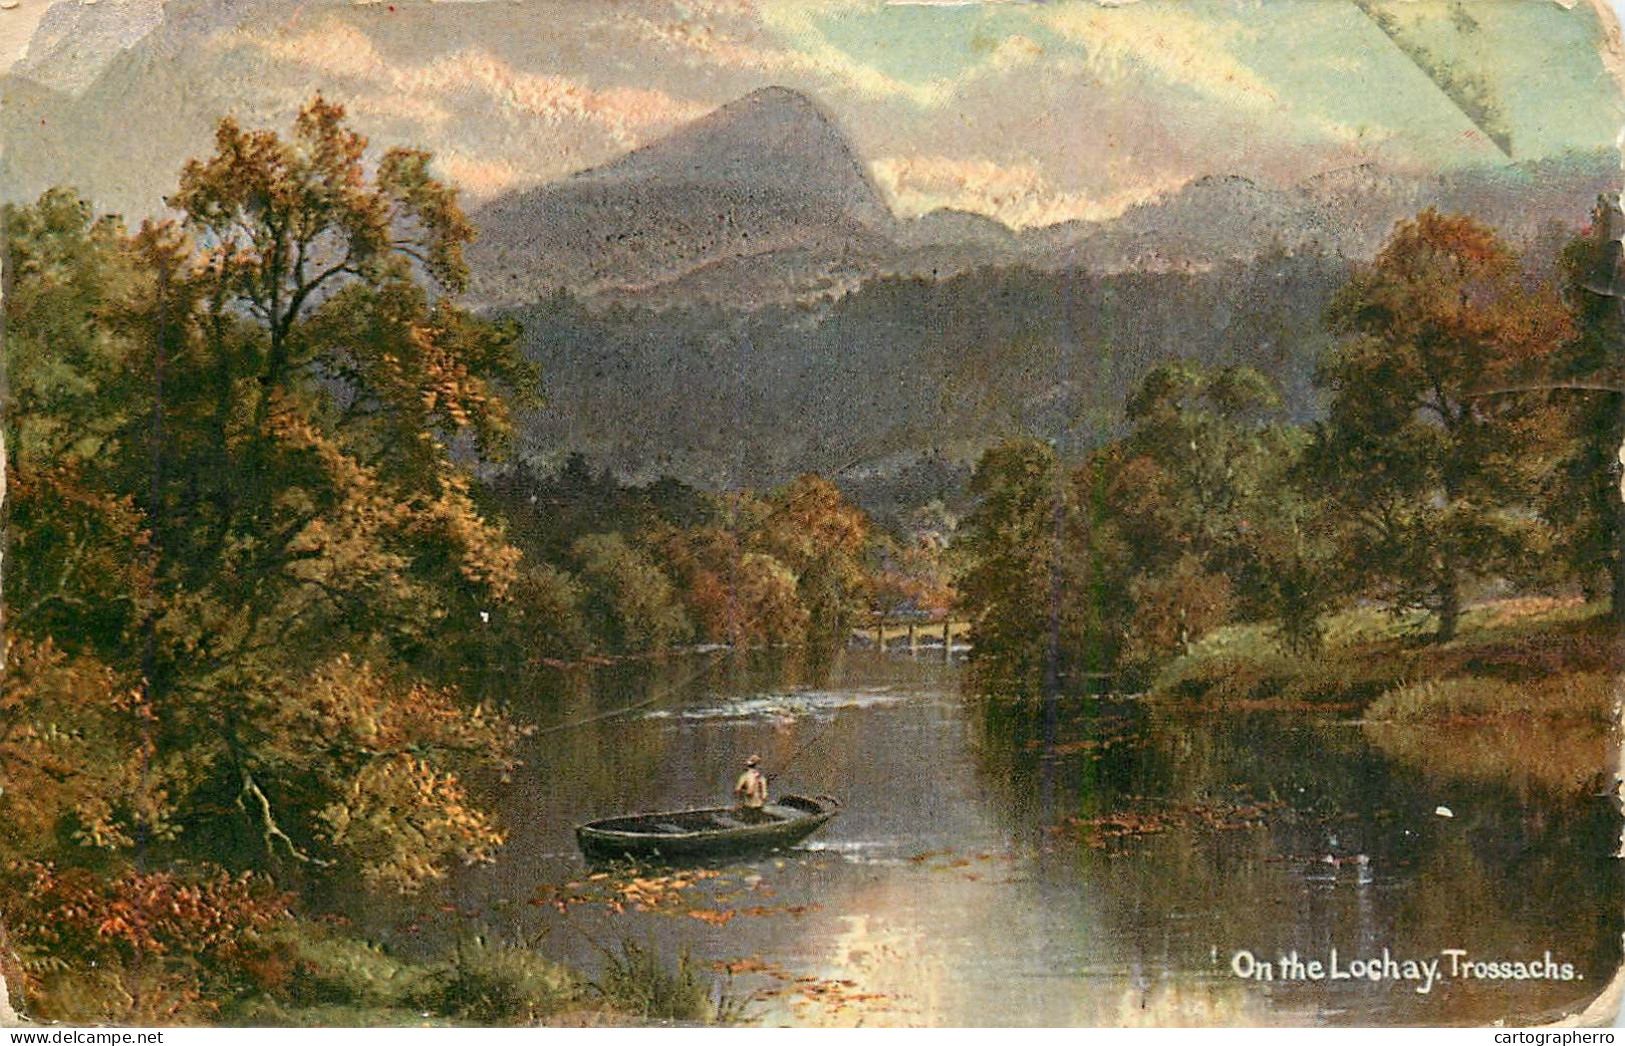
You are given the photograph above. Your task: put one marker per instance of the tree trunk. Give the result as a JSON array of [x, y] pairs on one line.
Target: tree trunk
[[1449, 594]]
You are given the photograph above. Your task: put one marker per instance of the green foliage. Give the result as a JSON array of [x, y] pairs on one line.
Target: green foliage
[[331, 968], [1188, 521], [71, 397], [1041, 570], [488, 984], [74, 412], [1582, 497], [1521, 657], [1009, 546], [1432, 475], [627, 599], [1203, 492], [544, 617], [639, 983]]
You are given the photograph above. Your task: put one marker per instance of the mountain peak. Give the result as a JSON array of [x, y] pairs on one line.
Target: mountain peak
[[773, 94], [774, 139], [768, 172]]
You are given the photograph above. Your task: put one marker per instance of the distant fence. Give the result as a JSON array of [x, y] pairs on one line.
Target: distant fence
[[916, 637]]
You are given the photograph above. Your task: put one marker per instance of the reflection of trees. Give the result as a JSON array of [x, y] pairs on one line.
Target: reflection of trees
[[1518, 869]]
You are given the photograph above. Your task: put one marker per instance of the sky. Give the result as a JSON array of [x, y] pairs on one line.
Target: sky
[[1029, 112]]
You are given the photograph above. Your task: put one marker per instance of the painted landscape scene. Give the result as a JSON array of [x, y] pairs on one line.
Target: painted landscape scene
[[786, 513]]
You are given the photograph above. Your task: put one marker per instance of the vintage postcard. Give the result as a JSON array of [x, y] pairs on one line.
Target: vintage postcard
[[811, 512]]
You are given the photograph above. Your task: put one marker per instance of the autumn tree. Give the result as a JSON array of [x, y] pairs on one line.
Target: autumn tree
[[1431, 478], [821, 537], [239, 502], [732, 593], [306, 504], [909, 575]]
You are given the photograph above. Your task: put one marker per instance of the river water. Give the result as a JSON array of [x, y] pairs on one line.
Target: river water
[[1089, 861]]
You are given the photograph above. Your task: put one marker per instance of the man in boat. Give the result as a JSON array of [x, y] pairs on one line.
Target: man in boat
[[751, 791]]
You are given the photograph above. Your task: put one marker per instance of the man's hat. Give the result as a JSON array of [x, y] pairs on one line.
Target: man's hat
[[753, 760]]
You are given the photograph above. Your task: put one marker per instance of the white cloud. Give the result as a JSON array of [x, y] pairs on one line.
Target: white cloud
[[571, 122], [742, 46], [1180, 48], [1017, 193], [480, 177], [627, 114]]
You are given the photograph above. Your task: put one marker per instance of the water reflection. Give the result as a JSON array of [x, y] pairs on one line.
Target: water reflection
[[1082, 862]]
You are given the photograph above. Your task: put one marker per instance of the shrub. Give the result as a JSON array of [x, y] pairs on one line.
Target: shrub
[[638, 982], [153, 948], [500, 984], [333, 969]]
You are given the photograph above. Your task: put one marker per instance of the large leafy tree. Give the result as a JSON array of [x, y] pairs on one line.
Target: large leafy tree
[[1201, 490], [76, 413], [1584, 500], [1433, 478], [1200, 450], [808, 526], [627, 599], [1039, 569], [71, 750], [331, 371], [1010, 547], [239, 498]]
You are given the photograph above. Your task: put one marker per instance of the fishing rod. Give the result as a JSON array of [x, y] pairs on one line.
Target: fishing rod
[[659, 695], [788, 763]]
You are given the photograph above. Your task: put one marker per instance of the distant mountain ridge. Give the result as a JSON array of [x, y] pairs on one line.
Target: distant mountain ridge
[[764, 201], [771, 314]]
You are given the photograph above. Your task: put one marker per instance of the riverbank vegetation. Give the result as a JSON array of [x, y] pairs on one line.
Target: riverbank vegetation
[[274, 590], [1443, 545], [1517, 658]]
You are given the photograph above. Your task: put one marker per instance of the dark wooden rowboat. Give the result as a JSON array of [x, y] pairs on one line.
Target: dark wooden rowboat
[[689, 835]]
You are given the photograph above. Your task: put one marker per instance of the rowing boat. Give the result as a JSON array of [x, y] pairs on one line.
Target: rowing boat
[[687, 835]]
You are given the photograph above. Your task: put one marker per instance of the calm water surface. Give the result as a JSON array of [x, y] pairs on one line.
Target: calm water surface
[[1085, 862]]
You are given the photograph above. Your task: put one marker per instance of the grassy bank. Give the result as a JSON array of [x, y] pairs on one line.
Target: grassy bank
[[1512, 659], [307, 974], [1525, 695]]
